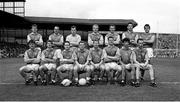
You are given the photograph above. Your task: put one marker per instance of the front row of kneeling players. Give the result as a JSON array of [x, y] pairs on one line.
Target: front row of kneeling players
[[112, 62]]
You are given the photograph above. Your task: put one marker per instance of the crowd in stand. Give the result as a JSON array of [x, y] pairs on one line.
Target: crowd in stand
[[12, 50]]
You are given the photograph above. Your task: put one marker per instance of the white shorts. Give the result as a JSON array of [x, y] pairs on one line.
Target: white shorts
[[95, 66], [150, 52], [50, 66], [146, 67], [82, 68], [113, 66], [65, 67], [30, 67]]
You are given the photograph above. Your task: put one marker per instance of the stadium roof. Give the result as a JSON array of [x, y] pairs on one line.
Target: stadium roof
[[14, 21], [67, 22]]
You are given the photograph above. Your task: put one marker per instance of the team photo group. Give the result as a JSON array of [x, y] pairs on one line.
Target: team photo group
[[69, 61]]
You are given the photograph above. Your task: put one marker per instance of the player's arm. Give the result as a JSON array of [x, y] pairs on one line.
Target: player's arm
[[116, 57], [146, 59], [38, 58], [90, 57], [90, 42], [87, 61], [76, 43], [123, 35], [101, 41], [105, 59], [27, 59], [40, 42], [28, 38], [117, 40], [76, 59], [133, 58], [150, 40], [106, 40]]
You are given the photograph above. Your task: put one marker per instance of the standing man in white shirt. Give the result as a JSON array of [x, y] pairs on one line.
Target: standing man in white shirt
[[73, 38], [35, 36]]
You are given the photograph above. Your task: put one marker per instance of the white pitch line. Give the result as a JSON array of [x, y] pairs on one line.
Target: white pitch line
[[174, 83]]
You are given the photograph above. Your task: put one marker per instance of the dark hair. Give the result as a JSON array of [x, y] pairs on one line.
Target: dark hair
[[50, 41], [139, 40], [130, 23], [147, 25], [66, 42], [73, 27], [126, 40], [112, 25], [31, 41], [82, 42], [34, 25], [110, 37]]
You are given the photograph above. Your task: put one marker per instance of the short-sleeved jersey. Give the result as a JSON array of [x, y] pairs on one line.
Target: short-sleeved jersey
[[95, 37], [147, 36], [115, 36], [49, 53], [132, 36], [35, 37], [96, 55], [112, 51], [32, 53], [73, 39], [126, 55], [67, 54], [141, 55], [56, 38], [81, 56]]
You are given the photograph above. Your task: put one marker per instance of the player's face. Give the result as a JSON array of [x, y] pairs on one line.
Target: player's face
[[49, 45], [95, 29], [111, 41], [146, 29], [130, 27], [96, 44], [112, 28], [126, 44], [66, 46], [81, 46], [34, 29], [56, 30], [73, 30], [32, 45], [140, 43]]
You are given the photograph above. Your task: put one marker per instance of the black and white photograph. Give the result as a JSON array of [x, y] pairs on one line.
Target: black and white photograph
[[89, 50]]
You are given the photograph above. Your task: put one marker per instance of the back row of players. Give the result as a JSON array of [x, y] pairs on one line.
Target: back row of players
[[75, 59]]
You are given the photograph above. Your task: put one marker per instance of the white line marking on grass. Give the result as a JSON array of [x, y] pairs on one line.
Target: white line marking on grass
[[11, 83], [169, 82]]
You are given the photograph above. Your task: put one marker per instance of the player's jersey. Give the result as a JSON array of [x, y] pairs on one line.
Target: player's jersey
[[49, 53], [81, 56], [111, 51], [95, 37], [126, 55], [132, 36], [115, 36], [35, 37], [140, 55], [96, 55], [67, 54], [56, 38], [146, 37], [32, 53]]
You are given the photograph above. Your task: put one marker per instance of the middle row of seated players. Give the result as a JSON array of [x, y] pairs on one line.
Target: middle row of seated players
[[110, 61]]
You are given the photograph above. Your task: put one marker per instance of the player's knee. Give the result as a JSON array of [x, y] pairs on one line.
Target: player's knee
[[22, 69]]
